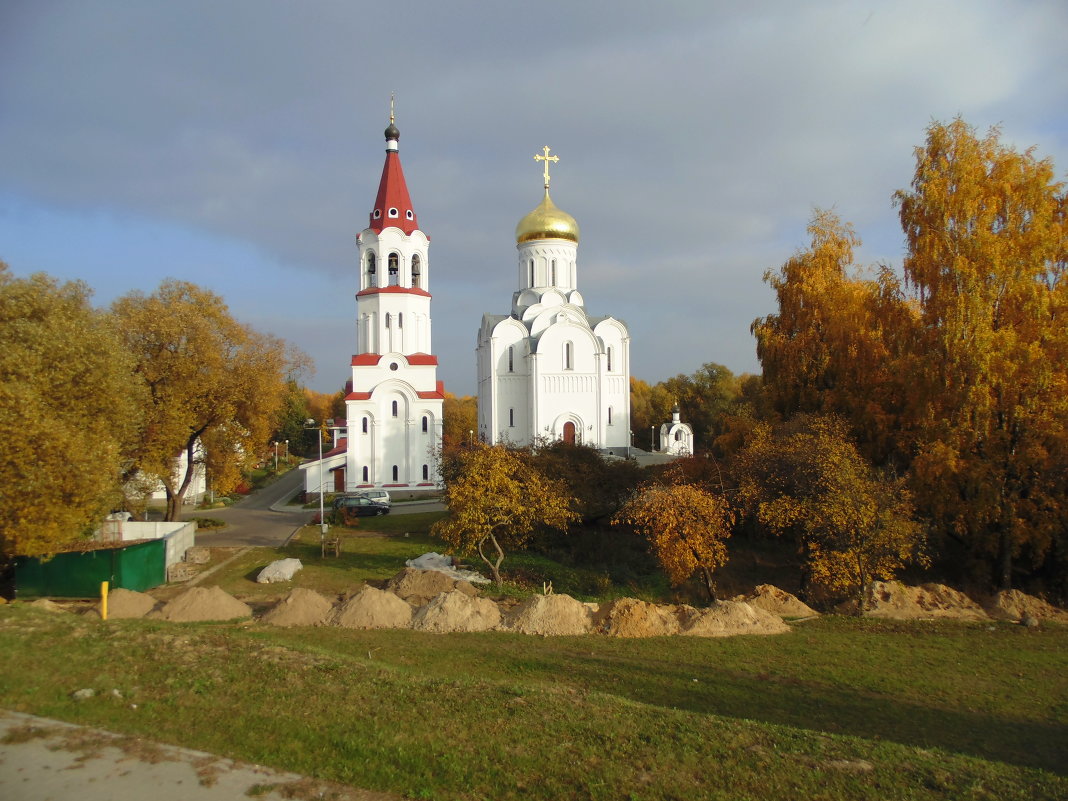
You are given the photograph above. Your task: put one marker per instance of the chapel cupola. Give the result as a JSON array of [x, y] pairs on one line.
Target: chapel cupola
[[393, 205], [547, 221]]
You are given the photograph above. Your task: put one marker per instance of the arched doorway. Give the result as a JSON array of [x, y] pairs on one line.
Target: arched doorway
[[569, 433]]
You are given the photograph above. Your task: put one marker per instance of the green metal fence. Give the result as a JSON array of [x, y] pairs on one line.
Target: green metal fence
[[78, 575]]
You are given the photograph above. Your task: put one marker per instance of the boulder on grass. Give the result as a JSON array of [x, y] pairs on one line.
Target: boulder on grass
[[551, 616], [372, 608], [302, 607], [279, 570], [417, 587], [457, 611]]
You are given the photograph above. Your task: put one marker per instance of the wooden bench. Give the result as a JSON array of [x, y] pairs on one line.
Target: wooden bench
[[331, 544]]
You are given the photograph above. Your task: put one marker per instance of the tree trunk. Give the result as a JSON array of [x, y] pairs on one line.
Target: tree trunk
[[709, 585], [1003, 580]]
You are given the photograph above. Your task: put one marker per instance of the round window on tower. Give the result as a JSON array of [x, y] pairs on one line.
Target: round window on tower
[[378, 214], [393, 366], [394, 213], [409, 214]]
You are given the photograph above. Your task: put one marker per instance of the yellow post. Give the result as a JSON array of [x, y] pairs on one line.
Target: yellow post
[[103, 600]]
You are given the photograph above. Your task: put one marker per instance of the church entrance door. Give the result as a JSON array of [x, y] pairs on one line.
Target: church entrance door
[[569, 433], [339, 480]]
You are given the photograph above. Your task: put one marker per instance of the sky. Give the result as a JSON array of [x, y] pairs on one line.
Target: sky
[[238, 144]]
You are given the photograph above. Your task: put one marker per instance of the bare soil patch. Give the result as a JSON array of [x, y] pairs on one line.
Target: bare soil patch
[[302, 607]]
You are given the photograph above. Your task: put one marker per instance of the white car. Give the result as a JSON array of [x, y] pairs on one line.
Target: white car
[[379, 495]]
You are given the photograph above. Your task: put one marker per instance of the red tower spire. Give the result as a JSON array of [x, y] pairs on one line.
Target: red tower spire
[[393, 206]]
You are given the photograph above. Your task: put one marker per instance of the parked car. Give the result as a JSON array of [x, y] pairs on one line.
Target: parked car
[[360, 505], [378, 495]]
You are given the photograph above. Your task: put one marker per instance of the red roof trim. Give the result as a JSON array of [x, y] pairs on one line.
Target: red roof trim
[[438, 394], [422, 359], [358, 396], [366, 359], [375, 290]]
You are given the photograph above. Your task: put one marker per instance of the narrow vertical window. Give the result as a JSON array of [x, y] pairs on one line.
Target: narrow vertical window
[[511, 418], [532, 272], [372, 279], [364, 425], [395, 473], [567, 355], [609, 358], [394, 408], [426, 424], [365, 474], [394, 269], [400, 319], [417, 271], [552, 279], [426, 472], [609, 415], [511, 358], [389, 320]]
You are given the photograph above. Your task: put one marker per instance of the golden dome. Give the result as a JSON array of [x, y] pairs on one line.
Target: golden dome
[[547, 222]]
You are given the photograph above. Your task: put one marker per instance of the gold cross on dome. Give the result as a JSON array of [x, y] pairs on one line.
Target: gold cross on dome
[[546, 158]]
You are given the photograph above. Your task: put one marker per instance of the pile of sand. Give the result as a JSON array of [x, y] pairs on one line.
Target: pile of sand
[[302, 607], [779, 602], [202, 603], [372, 609], [892, 599], [629, 617], [550, 615], [123, 604], [728, 618], [417, 587], [457, 611], [1015, 605], [47, 605]]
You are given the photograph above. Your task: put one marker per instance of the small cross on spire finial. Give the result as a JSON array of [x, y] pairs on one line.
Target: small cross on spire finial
[[546, 158], [391, 108]]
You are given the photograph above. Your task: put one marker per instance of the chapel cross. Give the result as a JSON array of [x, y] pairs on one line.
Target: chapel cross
[[546, 158]]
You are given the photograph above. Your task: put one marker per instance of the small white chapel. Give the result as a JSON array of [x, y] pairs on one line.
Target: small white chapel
[[548, 370]]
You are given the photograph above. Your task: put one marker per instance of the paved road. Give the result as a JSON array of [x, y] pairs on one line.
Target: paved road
[[264, 520]]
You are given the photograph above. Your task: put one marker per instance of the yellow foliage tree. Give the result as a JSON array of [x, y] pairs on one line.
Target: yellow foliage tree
[[851, 523], [459, 420], [215, 386], [68, 412], [686, 526], [987, 231], [496, 500]]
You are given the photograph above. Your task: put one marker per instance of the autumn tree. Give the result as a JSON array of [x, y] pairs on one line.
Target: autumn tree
[[987, 234], [68, 413], [215, 386], [650, 407], [598, 485], [459, 419], [686, 526], [497, 500], [807, 480]]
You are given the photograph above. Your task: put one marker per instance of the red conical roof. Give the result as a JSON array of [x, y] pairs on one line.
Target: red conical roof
[[393, 206]]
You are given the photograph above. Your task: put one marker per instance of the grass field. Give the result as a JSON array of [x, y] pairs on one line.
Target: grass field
[[839, 708]]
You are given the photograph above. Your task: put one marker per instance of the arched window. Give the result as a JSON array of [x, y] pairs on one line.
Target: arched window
[[417, 272], [678, 436], [364, 425], [372, 279], [394, 408], [400, 319], [426, 472], [532, 272], [394, 269], [511, 418], [365, 474], [426, 423], [609, 358], [511, 358], [609, 415], [553, 274], [395, 473], [568, 356]]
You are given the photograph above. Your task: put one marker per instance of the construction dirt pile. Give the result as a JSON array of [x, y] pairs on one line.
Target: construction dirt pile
[[202, 603], [1016, 606], [417, 587], [551, 616], [727, 618], [892, 599], [629, 617], [302, 607], [371, 608], [457, 611], [125, 604], [778, 602]]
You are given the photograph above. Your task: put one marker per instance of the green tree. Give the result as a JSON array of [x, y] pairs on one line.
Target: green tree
[[686, 527], [215, 386], [68, 413], [497, 500], [987, 233], [851, 523]]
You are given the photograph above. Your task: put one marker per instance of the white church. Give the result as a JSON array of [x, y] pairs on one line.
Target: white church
[[547, 370], [393, 425]]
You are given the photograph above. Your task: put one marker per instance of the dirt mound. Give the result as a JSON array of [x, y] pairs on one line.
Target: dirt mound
[[47, 605], [728, 618], [779, 602], [892, 599], [457, 611], [1015, 605], [629, 617], [302, 607], [202, 603], [417, 587], [125, 604], [550, 615], [371, 608]]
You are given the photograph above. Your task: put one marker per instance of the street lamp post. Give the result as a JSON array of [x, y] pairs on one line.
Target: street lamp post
[[287, 452], [275, 443], [309, 423], [652, 439]]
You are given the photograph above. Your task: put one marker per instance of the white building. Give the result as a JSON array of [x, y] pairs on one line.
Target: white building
[[548, 370], [676, 437], [394, 406]]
